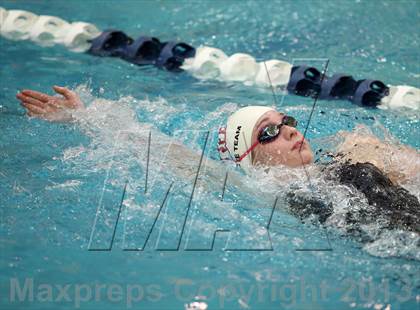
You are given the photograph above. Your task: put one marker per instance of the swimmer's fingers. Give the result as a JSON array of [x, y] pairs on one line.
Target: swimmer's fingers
[[38, 98], [30, 100], [33, 110], [48, 113], [40, 107], [37, 106], [36, 95], [57, 103], [67, 93], [73, 101]]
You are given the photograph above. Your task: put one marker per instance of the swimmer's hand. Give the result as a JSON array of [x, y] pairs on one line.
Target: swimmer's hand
[[51, 108]]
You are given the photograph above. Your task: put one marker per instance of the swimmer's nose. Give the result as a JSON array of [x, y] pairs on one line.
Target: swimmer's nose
[[288, 132]]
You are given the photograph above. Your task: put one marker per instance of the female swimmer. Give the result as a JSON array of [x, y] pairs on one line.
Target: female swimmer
[[259, 136]]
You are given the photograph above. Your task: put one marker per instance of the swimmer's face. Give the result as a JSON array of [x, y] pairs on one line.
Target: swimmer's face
[[282, 150]]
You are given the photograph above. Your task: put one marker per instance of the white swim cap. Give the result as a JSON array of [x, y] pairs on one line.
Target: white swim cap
[[236, 138]]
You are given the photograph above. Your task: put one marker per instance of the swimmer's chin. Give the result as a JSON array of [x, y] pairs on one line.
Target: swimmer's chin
[[305, 160]]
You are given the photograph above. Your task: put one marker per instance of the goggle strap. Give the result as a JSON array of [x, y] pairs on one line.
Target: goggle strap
[[248, 151]]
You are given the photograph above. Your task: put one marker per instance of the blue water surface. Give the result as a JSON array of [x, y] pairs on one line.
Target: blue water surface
[[50, 193]]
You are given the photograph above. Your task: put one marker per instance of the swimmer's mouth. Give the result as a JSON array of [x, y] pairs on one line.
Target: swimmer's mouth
[[298, 144]]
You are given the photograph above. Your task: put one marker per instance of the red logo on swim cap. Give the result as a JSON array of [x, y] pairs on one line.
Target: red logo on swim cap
[[223, 150]]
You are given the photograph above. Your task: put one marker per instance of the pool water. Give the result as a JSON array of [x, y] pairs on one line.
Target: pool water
[[61, 184]]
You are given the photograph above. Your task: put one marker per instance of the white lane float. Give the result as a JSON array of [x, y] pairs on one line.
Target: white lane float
[[276, 71], [48, 30], [401, 96], [18, 24], [79, 35], [3, 15], [239, 67], [206, 63]]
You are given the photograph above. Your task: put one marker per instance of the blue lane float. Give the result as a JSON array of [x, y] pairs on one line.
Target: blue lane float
[[369, 92], [143, 51], [110, 43], [204, 62], [338, 86], [173, 55], [305, 81]]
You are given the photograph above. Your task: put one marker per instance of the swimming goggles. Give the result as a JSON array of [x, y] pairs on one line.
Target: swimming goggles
[[270, 133]]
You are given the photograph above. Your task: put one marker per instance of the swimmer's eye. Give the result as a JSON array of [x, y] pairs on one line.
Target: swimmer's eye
[[289, 121], [270, 132]]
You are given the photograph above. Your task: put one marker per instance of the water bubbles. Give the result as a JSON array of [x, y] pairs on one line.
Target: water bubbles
[[381, 59], [196, 306]]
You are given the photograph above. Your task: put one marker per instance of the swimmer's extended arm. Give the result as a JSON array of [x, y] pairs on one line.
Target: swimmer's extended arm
[[180, 159], [52, 108]]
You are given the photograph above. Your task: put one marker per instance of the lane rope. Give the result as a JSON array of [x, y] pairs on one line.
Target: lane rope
[[204, 62]]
